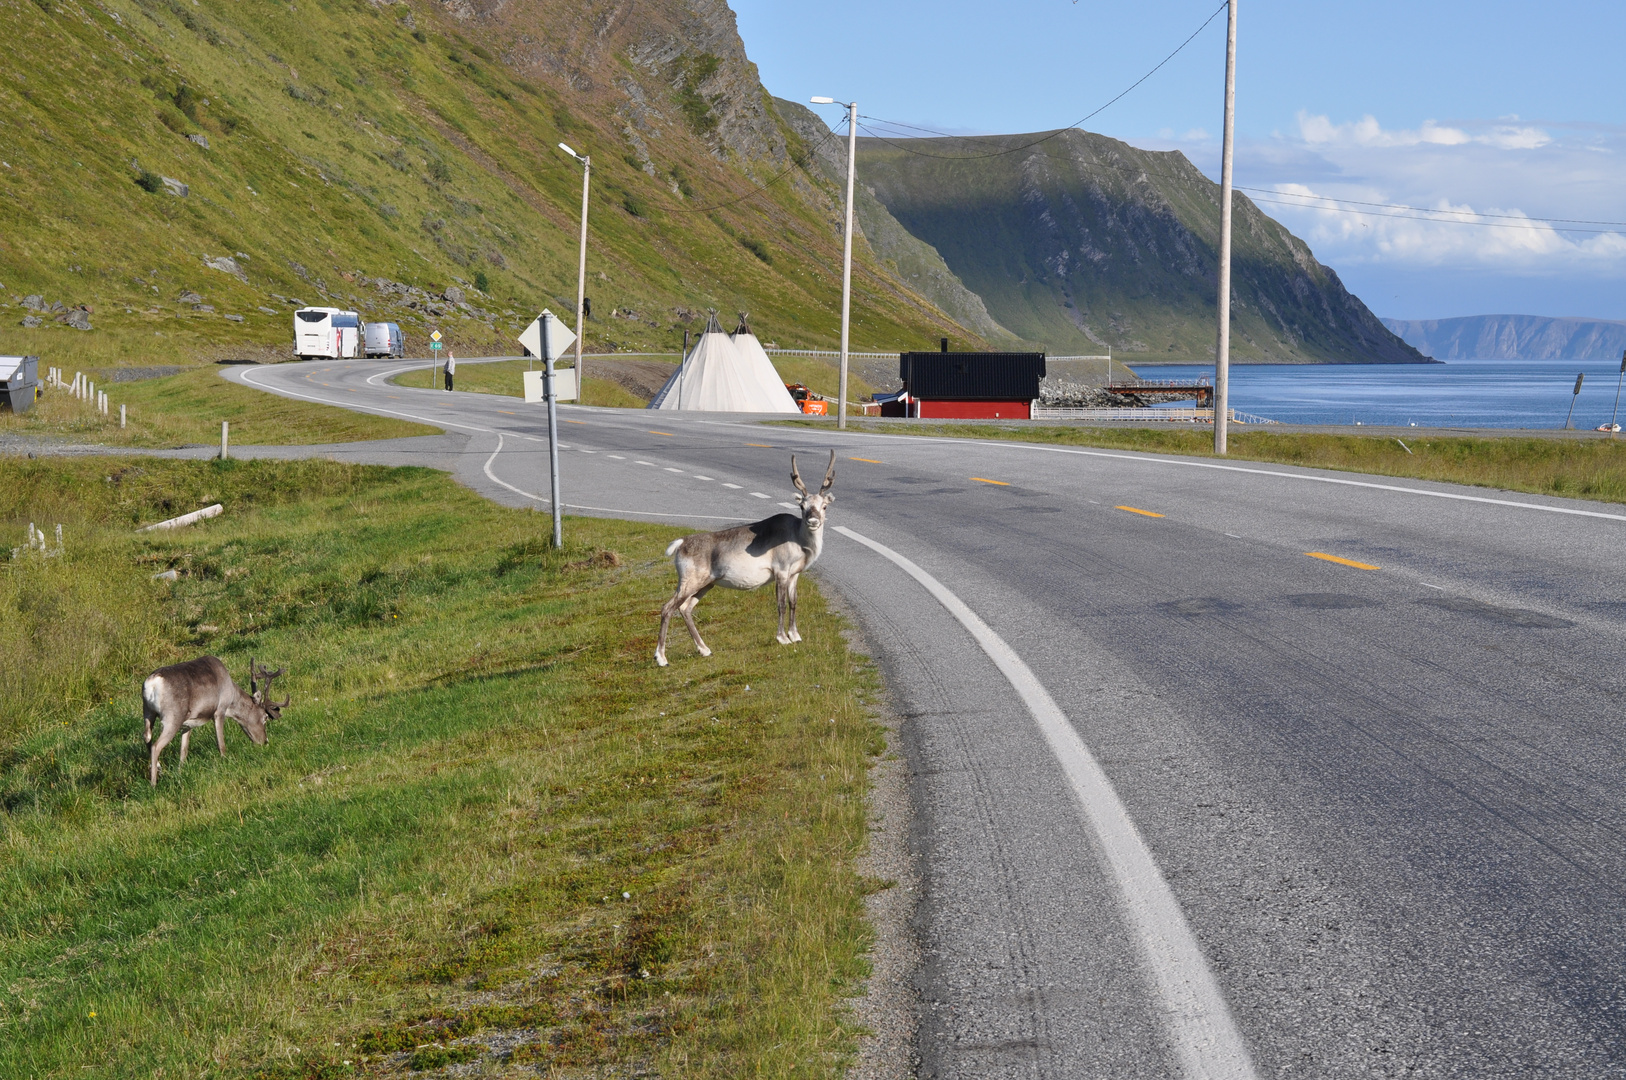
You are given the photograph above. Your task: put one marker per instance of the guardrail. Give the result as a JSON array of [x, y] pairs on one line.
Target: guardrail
[[831, 353], [1203, 381], [1141, 416]]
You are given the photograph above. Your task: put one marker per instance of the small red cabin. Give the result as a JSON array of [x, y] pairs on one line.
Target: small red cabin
[[967, 386]]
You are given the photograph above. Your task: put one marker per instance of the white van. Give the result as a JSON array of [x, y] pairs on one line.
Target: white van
[[384, 339]]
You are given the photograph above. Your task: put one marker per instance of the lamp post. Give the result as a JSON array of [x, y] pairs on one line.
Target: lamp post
[[581, 270], [846, 251], [1222, 351]]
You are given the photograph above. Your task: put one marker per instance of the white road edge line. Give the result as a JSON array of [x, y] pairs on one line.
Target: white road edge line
[[1200, 1025]]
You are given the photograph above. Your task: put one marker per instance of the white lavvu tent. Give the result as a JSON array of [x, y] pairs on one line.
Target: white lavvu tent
[[761, 368], [718, 376]]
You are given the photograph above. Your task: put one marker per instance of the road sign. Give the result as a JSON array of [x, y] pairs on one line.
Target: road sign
[[435, 336], [559, 336], [434, 344]]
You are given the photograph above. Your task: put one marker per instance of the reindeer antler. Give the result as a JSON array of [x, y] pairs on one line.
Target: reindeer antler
[[796, 477], [829, 474]]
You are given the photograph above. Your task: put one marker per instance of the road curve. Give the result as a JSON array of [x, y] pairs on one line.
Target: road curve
[[1220, 769]]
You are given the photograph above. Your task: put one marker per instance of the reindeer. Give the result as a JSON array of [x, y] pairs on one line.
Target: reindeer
[[746, 556], [187, 696]]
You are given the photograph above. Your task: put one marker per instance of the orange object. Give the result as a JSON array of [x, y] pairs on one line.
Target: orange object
[[816, 407]]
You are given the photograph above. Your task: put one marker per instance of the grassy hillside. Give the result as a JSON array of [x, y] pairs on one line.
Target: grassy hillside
[[380, 155], [1083, 242], [488, 829]]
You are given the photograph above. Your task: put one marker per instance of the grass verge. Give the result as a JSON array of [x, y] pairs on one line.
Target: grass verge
[[188, 407], [1574, 468], [506, 378], [488, 828]]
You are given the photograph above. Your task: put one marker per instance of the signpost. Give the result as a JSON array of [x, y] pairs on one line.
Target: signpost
[[434, 345], [548, 338]]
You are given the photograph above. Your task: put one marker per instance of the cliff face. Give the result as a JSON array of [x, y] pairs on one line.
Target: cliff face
[[1083, 243], [1513, 337], [400, 157]]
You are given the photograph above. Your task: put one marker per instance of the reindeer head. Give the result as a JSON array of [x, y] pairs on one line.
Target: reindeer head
[[259, 686], [815, 505]]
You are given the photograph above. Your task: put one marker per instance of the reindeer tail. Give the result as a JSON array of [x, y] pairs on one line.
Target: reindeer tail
[[671, 549]]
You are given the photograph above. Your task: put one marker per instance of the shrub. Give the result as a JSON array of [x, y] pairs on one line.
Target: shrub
[[482, 282], [149, 181], [757, 248]]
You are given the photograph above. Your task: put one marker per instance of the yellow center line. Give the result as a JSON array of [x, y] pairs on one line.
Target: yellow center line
[[667, 433], [505, 412], [1142, 513], [768, 446], [1342, 562], [871, 460], [1001, 483], [575, 421]]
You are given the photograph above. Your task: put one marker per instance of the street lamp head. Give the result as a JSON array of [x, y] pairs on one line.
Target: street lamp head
[[823, 100], [569, 151]]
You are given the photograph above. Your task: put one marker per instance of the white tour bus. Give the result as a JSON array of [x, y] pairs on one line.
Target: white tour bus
[[326, 333]]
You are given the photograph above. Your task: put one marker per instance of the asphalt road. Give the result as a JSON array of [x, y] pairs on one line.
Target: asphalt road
[[1189, 800]]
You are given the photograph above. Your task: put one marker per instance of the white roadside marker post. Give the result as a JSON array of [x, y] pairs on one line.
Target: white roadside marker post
[[224, 426], [121, 416]]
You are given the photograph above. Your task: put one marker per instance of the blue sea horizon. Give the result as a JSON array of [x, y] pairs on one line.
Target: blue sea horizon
[[1458, 393]]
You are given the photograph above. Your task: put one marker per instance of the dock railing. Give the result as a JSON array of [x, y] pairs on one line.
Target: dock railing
[[1143, 416]]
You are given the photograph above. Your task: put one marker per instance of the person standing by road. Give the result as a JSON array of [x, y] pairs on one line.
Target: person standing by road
[[451, 368]]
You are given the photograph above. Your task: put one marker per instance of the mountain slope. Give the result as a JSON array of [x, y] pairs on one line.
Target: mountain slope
[[1513, 337], [400, 157], [1083, 242]]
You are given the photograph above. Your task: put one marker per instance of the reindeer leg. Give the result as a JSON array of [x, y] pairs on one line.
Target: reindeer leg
[[782, 591], [794, 634], [688, 619], [667, 610], [166, 735], [220, 732], [186, 737]]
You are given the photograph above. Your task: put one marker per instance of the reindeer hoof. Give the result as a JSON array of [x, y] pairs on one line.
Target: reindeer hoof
[[704, 651], [660, 660], [794, 636], [783, 639]]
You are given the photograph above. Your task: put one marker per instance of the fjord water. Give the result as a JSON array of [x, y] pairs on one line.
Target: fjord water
[[1462, 393]]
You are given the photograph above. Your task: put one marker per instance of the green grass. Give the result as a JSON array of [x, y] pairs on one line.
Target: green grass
[[350, 140], [188, 407], [505, 378], [1575, 468], [486, 813]]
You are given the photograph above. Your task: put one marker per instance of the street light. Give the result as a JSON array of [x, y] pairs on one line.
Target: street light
[[846, 250], [581, 270]]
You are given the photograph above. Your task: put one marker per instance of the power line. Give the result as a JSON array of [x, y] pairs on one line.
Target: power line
[[1535, 224], [1429, 210], [1088, 116]]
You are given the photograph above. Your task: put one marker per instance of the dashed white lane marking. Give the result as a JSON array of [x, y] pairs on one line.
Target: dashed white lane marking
[[651, 464], [1426, 585], [697, 476], [617, 457], [1233, 536], [726, 484], [577, 506], [1199, 1021], [584, 450], [760, 495], [678, 471]]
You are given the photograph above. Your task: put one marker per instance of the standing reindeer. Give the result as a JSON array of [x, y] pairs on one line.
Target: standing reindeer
[[746, 556], [189, 695]]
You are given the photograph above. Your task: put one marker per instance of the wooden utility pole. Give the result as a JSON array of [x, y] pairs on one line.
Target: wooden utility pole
[[1222, 352]]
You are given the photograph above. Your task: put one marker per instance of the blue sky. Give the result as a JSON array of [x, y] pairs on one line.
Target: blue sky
[[1498, 111]]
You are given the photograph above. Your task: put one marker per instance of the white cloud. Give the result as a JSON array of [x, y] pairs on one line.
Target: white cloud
[[1319, 131]]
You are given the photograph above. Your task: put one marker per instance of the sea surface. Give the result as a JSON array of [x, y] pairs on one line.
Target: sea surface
[[1462, 393]]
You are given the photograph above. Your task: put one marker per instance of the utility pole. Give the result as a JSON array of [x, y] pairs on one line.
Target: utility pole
[[1222, 353], [581, 269], [846, 251]]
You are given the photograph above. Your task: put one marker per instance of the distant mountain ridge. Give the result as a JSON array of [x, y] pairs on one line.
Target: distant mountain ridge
[[1083, 243], [1513, 337]]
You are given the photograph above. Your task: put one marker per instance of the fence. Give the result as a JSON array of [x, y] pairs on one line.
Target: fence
[[1141, 416]]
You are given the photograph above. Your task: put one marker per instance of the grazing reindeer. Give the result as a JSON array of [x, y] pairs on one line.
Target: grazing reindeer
[[746, 556], [189, 695]]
